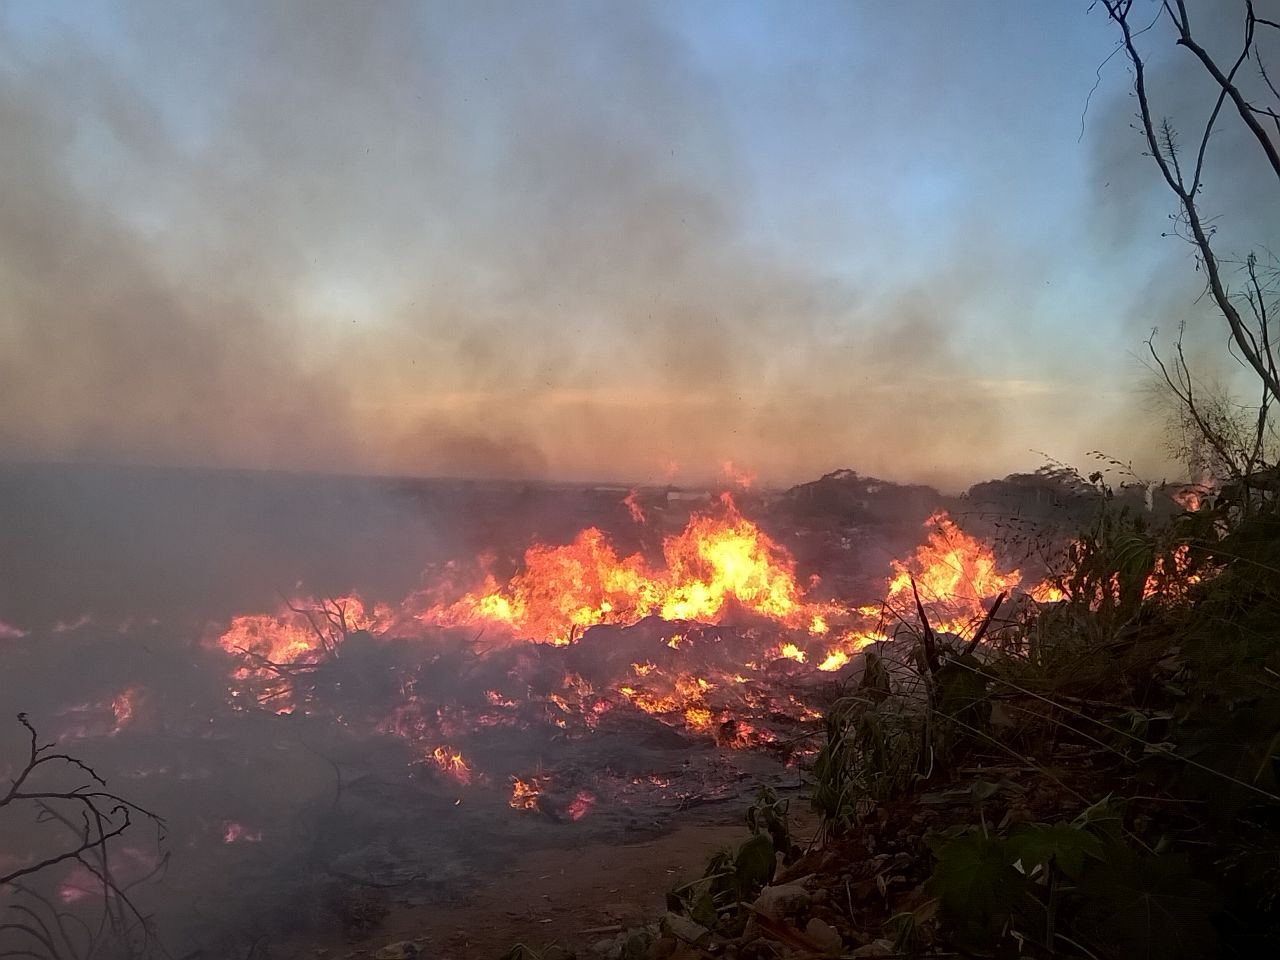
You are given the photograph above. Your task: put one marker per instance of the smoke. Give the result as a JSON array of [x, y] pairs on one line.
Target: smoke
[[496, 240], [1132, 206]]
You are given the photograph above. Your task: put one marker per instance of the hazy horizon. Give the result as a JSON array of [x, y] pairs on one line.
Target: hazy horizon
[[571, 242]]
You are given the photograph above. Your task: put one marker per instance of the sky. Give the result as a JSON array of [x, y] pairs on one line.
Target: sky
[[593, 240]]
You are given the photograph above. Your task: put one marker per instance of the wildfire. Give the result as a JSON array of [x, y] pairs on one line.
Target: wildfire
[[834, 660], [123, 707], [581, 805], [564, 589], [743, 479], [634, 508], [453, 764], [526, 793], [790, 651], [951, 570]]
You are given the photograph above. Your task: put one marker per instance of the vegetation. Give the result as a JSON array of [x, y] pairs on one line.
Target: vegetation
[[1101, 778]]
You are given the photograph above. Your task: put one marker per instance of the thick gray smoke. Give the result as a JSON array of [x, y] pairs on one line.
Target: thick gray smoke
[[510, 240]]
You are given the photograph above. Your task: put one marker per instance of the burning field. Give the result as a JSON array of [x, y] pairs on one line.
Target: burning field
[[673, 654]]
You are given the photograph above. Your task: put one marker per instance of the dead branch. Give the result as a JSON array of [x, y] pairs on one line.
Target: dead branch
[[1256, 348], [93, 817]]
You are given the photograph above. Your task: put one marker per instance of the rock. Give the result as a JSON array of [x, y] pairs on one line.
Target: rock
[[400, 950], [876, 948], [662, 947], [682, 928], [778, 901], [825, 935]]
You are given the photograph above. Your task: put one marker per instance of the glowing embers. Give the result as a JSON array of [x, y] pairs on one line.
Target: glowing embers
[[535, 794], [106, 718], [233, 831], [527, 794], [452, 764]]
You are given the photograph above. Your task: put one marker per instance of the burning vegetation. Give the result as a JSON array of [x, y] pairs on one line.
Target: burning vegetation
[[587, 685]]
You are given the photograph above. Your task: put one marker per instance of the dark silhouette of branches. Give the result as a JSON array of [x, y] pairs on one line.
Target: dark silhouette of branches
[[1183, 171], [90, 818]]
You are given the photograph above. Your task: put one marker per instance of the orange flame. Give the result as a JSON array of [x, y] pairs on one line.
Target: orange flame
[[737, 476], [526, 793], [565, 589], [951, 569], [453, 764], [634, 508]]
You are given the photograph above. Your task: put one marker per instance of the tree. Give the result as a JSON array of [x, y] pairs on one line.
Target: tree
[[1234, 440]]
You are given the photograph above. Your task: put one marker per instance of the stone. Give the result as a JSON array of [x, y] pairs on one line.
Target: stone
[[876, 948], [684, 929], [786, 898], [400, 950], [825, 935]]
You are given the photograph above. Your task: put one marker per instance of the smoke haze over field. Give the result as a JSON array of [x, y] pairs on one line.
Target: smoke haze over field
[[571, 240]]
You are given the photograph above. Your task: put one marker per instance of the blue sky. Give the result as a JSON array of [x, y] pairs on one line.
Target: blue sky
[[583, 240]]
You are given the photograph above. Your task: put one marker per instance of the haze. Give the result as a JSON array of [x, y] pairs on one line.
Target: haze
[[605, 241]]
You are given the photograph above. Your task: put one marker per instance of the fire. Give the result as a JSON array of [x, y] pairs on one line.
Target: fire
[[634, 508], [581, 805], [790, 651], [1047, 592], [300, 631], [565, 589], [235, 832], [123, 708], [526, 793], [1172, 575], [453, 764], [737, 476], [1190, 498], [951, 569], [834, 660]]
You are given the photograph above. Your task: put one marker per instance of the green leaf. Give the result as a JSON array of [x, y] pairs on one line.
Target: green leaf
[[1148, 908], [755, 863], [974, 877], [1036, 844]]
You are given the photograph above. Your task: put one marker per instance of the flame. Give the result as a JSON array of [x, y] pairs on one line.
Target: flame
[[1190, 498], [1047, 592], [526, 793], [634, 508], [952, 570], [834, 660], [581, 805], [564, 589], [790, 651], [737, 476], [123, 708], [1172, 576], [718, 568], [453, 764], [235, 832]]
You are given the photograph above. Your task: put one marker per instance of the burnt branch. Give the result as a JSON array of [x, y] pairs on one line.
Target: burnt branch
[[91, 817], [1250, 335]]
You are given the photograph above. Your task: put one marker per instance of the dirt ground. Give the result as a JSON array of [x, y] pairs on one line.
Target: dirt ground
[[573, 896]]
